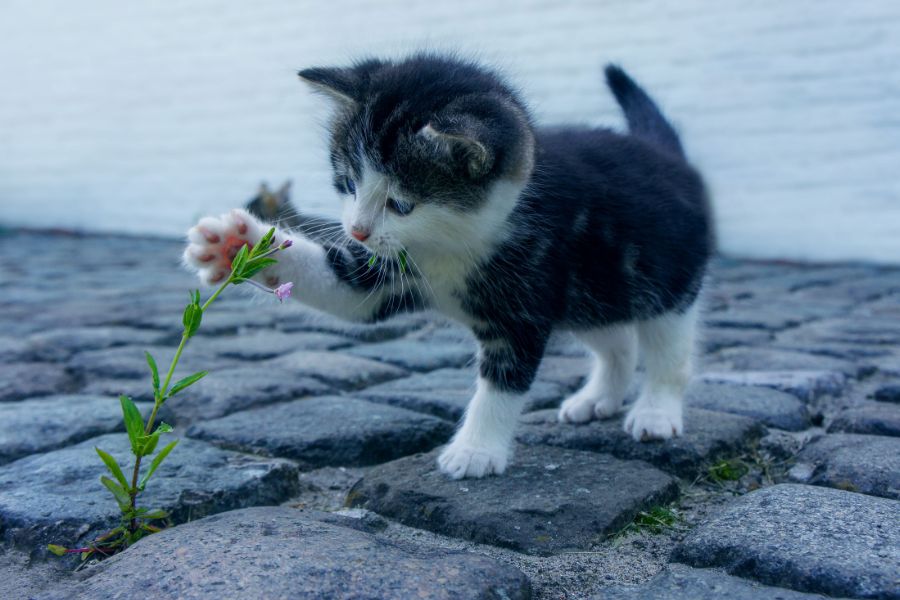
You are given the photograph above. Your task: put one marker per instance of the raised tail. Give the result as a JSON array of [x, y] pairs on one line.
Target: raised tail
[[645, 120]]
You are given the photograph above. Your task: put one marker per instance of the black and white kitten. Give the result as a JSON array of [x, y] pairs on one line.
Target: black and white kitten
[[274, 206], [511, 229]]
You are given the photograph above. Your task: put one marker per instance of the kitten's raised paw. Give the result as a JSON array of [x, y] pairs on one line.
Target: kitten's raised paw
[[645, 424], [460, 460], [214, 242]]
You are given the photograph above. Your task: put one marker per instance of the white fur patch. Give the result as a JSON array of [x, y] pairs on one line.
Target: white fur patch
[[482, 445]]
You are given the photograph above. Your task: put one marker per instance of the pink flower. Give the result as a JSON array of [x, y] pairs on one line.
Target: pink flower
[[283, 291], [286, 244]]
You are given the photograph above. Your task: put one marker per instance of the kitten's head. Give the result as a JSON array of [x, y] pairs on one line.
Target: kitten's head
[[429, 153], [272, 206]]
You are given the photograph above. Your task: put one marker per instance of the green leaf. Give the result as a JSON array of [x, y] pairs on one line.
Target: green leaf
[[57, 550], [188, 314], [155, 514], [239, 260], [187, 381], [148, 444], [113, 467], [153, 371], [255, 266], [263, 245], [372, 260], [193, 315], [121, 495], [134, 423], [157, 460], [196, 297], [402, 258], [163, 428]]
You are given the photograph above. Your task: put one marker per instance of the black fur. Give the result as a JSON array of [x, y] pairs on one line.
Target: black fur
[[609, 228]]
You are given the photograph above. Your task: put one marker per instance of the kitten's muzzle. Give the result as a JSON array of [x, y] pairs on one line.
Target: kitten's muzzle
[[360, 234]]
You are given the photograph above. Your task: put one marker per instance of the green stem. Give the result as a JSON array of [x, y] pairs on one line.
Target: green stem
[[160, 398], [217, 292]]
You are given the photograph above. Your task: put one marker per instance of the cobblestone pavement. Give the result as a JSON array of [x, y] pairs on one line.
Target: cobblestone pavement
[[306, 467]]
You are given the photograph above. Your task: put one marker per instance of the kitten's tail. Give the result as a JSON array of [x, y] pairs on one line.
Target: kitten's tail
[[645, 120]]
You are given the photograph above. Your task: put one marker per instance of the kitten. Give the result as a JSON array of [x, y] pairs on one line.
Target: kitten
[[273, 207], [456, 202], [276, 208]]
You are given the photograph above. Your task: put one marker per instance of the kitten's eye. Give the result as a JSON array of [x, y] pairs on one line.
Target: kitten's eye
[[350, 186], [400, 207]]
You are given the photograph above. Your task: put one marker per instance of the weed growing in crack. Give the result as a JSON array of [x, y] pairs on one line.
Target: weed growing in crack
[[137, 521]]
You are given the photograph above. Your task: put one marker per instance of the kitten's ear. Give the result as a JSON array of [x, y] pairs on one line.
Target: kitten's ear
[[284, 193], [263, 189], [340, 84], [460, 139]]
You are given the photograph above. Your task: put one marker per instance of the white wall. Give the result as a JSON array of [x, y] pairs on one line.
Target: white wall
[[139, 117]]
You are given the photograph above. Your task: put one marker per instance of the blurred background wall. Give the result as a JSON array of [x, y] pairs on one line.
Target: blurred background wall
[[139, 117]]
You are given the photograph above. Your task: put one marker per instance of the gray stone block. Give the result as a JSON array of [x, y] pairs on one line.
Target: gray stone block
[[713, 339], [416, 355], [304, 319], [224, 392], [806, 538], [708, 436], [445, 393], [335, 369], [872, 418], [806, 385], [57, 497], [327, 431], [19, 381], [861, 463], [678, 582], [766, 405], [888, 393], [265, 344], [129, 362], [60, 344], [51, 422], [548, 500], [770, 359], [286, 553]]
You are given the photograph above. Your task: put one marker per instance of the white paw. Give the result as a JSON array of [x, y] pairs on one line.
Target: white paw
[[646, 424], [460, 460], [214, 241], [580, 408], [576, 409]]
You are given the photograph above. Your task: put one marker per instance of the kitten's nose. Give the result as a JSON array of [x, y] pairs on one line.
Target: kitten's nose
[[360, 234]]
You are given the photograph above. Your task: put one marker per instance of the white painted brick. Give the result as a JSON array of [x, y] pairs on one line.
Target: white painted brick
[[141, 116]]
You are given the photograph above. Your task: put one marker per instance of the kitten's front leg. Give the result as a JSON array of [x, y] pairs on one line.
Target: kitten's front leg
[[483, 443], [320, 279]]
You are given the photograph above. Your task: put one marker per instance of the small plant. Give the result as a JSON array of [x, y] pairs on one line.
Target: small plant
[[137, 521], [655, 521], [728, 470]]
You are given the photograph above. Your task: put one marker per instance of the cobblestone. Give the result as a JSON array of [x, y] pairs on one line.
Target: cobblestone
[[327, 431], [810, 352], [805, 538], [549, 500], [862, 463], [286, 553], [54, 497], [708, 436]]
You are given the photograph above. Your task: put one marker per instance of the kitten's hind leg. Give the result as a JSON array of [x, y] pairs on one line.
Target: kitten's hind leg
[[614, 361], [667, 345]]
